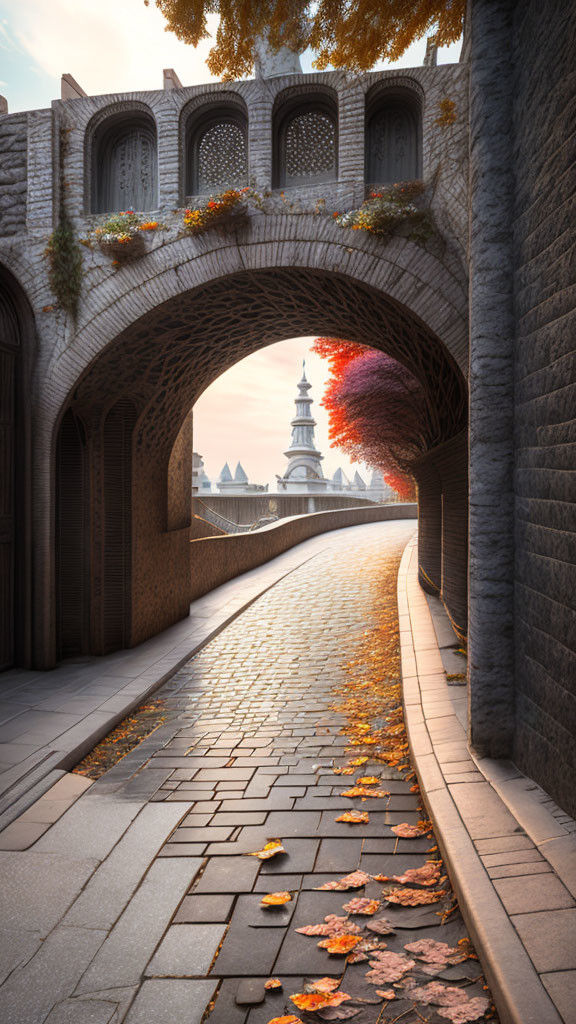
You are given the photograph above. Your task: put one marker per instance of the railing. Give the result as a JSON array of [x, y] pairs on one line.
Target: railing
[[221, 522]]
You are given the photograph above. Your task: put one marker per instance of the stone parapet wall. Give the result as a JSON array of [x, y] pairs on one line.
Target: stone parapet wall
[[245, 509], [215, 560], [545, 394]]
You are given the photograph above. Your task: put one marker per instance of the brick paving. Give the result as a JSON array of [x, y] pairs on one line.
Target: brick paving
[[175, 930]]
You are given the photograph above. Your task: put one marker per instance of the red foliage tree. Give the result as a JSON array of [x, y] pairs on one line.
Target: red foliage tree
[[377, 410]]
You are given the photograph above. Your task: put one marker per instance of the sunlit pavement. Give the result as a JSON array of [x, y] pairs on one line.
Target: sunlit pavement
[[142, 904]]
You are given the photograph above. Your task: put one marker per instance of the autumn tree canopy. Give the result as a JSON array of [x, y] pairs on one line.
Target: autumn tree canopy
[[351, 34], [376, 409]]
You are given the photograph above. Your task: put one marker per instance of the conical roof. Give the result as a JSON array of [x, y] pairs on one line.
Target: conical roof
[[225, 475], [340, 478], [240, 476]]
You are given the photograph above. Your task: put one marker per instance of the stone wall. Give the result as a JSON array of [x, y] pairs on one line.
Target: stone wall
[[13, 143], [215, 560], [545, 391]]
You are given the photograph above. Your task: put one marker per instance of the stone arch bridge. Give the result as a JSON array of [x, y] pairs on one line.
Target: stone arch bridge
[[96, 427]]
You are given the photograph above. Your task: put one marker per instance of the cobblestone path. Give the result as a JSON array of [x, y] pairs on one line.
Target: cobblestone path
[[255, 727]]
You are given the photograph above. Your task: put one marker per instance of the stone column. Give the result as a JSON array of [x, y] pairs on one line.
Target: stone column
[[260, 136], [429, 525], [42, 164], [491, 380], [451, 461]]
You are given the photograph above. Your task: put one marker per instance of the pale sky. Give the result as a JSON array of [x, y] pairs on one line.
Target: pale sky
[[108, 46], [121, 45]]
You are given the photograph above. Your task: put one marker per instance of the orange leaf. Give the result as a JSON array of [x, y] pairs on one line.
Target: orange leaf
[[324, 985], [362, 905], [413, 897], [358, 761], [355, 880], [368, 780], [311, 1001], [271, 848], [340, 943], [362, 791], [355, 817], [276, 899], [428, 874], [290, 1019], [405, 831], [386, 993], [272, 983]]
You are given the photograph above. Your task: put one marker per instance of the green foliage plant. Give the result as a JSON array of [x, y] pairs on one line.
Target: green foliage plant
[[64, 257]]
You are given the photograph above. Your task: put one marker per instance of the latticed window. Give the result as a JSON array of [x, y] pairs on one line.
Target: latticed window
[[393, 139], [125, 164], [306, 148], [217, 156]]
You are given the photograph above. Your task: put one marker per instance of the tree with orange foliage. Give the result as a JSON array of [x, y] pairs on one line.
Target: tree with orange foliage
[[376, 410], [346, 35]]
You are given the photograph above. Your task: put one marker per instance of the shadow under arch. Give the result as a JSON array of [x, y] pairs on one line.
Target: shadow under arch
[[17, 350], [166, 359]]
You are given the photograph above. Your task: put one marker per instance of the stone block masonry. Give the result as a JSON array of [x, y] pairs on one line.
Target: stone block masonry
[[545, 390], [13, 177]]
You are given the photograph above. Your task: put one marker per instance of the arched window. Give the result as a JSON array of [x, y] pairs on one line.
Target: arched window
[[125, 163], [216, 150], [306, 141], [393, 132]]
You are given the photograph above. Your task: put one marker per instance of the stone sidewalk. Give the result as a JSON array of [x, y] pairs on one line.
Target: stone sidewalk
[[510, 850], [140, 904], [49, 720]]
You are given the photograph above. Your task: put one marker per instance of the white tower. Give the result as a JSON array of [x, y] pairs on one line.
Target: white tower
[[304, 474]]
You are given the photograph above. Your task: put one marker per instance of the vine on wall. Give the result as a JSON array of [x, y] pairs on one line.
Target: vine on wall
[[63, 251], [447, 113], [65, 265]]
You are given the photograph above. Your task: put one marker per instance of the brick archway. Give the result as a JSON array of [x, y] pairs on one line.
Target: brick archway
[[164, 360]]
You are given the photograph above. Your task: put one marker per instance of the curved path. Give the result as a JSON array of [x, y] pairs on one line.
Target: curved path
[[158, 914]]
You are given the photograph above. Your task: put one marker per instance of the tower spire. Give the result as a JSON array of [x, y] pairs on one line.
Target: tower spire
[[304, 472]]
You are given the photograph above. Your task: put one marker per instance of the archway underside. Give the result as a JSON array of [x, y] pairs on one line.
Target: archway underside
[[163, 363], [166, 359]]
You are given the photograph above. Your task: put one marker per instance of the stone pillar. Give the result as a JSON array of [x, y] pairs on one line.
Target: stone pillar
[[442, 479], [351, 139], [179, 502], [451, 461], [42, 166], [260, 136], [491, 380], [167, 122], [429, 525]]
